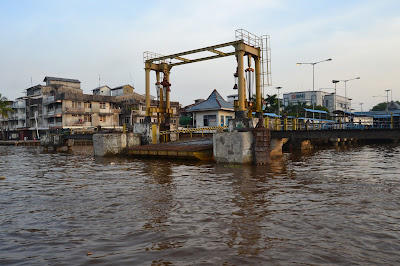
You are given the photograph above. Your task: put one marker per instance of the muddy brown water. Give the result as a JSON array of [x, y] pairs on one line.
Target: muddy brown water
[[326, 207]]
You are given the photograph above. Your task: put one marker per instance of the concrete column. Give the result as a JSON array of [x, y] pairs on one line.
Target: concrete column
[[258, 85], [241, 85], [147, 70]]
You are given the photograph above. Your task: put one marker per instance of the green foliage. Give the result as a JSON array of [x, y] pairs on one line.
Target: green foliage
[[295, 109], [4, 108], [381, 106], [271, 104], [185, 120]]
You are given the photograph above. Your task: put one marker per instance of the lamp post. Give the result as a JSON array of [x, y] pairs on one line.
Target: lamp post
[[334, 82], [279, 105], [387, 97], [345, 88], [360, 105], [313, 80]]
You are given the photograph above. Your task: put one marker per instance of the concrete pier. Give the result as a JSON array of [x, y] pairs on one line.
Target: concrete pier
[[114, 144], [56, 142], [233, 147]]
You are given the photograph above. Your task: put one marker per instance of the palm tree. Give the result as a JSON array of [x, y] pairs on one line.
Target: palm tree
[[4, 109], [271, 103]]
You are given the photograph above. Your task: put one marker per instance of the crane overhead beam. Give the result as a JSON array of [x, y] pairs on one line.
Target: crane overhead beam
[[203, 59], [209, 48], [217, 52], [183, 59]]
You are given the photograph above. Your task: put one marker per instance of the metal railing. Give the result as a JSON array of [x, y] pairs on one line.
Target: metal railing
[[248, 37], [165, 135], [292, 124]]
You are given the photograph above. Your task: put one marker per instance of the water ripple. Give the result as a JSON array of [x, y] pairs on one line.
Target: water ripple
[[334, 206]]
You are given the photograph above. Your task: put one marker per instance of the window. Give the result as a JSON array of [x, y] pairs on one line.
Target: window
[[103, 118], [88, 118], [76, 104], [227, 119], [210, 120], [88, 105], [102, 105], [127, 118], [222, 120]]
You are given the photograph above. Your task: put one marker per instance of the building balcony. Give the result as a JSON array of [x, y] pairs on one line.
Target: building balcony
[[74, 110], [55, 125], [78, 124], [109, 111], [18, 105], [48, 100]]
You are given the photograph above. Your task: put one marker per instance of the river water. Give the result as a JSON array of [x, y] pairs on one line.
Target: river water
[[332, 206]]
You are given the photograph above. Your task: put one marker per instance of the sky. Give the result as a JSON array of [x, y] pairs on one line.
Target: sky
[[87, 39]]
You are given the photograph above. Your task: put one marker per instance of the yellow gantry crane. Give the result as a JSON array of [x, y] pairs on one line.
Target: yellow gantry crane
[[246, 44]]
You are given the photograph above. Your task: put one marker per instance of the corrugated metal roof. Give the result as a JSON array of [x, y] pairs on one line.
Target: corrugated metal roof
[[61, 79], [213, 102], [98, 88], [315, 111], [120, 87]]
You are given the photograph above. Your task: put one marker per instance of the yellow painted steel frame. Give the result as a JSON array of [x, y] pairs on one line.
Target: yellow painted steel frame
[[165, 63]]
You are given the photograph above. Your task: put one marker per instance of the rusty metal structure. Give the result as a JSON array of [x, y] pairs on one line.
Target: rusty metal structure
[[256, 49]]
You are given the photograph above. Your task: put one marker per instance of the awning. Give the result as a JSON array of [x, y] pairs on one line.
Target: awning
[[315, 111]]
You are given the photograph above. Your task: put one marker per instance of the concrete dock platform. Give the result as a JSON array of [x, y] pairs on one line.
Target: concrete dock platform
[[193, 149], [19, 143]]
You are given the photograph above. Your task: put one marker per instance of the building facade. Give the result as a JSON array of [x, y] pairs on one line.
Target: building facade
[[322, 98], [61, 105], [214, 111]]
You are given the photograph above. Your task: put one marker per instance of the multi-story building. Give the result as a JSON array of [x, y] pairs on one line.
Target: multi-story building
[[319, 97], [75, 111], [60, 104]]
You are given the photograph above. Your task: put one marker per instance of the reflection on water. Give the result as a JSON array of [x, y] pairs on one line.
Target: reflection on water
[[337, 206]]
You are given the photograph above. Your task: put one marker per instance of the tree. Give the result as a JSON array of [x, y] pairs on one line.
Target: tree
[[381, 106], [271, 103], [4, 109]]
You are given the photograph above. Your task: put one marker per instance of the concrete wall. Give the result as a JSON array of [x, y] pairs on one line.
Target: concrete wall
[[233, 147], [237, 124], [114, 144], [149, 132]]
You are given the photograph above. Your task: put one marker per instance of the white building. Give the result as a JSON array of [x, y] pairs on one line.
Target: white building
[[319, 97], [102, 90], [214, 111]]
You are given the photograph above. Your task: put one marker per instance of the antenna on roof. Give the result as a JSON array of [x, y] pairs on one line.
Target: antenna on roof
[[31, 81], [131, 79], [99, 80]]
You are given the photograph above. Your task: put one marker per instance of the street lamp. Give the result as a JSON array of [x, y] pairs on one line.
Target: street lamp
[[334, 82], [313, 64], [345, 88], [279, 105], [360, 105], [387, 97]]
